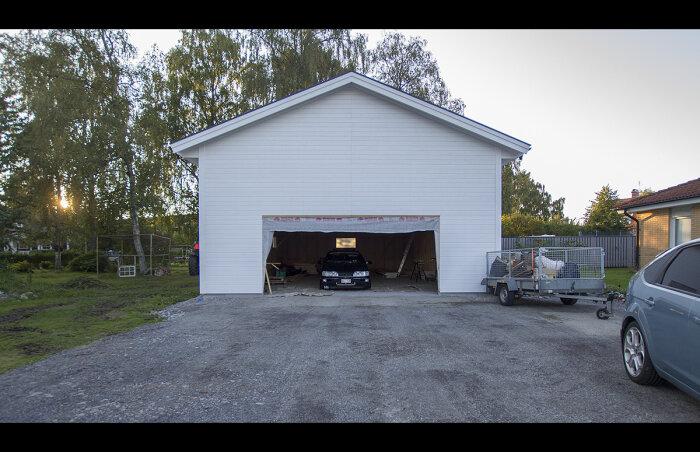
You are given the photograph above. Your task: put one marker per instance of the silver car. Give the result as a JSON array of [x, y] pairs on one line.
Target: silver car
[[660, 330]]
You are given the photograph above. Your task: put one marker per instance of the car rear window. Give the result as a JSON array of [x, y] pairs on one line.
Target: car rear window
[[655, 271], [684, 272], [343, 256]]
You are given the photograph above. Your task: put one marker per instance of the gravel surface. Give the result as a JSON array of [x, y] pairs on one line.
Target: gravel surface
[[348, 357]]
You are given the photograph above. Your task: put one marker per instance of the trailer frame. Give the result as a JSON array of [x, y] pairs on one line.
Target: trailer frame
[[567, 273]]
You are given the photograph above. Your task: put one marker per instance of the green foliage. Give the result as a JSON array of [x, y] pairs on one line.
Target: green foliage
[[36, 257], [522, 194], [521, 225], [45, 265], [71, 87], [602, 215], [87, 263], [20, 267], [408, 66], [289, 60]]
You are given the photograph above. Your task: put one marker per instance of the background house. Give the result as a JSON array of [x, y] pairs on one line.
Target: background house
[[666, 218]]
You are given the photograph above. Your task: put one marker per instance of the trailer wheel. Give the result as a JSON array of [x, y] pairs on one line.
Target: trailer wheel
[[568, 301], [505, 296], [602, 314]]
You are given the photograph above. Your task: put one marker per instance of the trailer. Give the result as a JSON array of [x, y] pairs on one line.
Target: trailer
[[567, 273]]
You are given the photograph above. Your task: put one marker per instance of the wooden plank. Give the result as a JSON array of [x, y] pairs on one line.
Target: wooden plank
[[405, 252]]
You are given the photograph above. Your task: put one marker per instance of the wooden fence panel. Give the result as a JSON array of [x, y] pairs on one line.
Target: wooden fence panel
[[619, 249]]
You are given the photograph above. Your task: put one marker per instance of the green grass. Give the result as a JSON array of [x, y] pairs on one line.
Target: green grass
[[618, 278], [61, 317]]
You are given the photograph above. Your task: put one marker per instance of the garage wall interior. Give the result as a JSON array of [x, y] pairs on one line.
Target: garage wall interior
[[302, 250], [348, 147]]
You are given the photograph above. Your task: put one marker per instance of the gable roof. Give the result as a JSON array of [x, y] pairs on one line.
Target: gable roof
[[191, 142], [687, 190]]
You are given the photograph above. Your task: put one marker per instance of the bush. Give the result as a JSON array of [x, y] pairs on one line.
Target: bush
[[23, 267], [45, 265], [36, 257], [522, 225], [86, 263]]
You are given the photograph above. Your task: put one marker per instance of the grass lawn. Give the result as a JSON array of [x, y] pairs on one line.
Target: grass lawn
[[63, 315], [617, 278]]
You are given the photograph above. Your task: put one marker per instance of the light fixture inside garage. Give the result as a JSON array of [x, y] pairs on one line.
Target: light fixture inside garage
[[346, 242]]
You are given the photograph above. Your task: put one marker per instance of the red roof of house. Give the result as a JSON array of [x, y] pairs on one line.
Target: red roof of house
[[690, 189]]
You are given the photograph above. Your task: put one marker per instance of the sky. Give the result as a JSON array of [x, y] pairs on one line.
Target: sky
[[599, 107]]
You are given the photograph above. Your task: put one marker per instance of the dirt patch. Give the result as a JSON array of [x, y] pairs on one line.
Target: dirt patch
[[106, 310], [21, 313], [85, 282], [17, 329], [34, 349]]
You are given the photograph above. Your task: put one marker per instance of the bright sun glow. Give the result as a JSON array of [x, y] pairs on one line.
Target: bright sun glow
[[64, 203]]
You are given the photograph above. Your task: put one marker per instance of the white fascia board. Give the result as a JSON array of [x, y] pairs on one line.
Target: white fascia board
[[664, 205], [368, 84]]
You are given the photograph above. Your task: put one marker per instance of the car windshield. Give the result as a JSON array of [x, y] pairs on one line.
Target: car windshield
[[343, 257]]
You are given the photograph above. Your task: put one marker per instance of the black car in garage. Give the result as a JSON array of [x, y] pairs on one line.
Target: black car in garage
[[344, 268]]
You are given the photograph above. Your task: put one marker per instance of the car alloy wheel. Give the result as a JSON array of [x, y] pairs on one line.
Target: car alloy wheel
[[636, 357], [634, 351]]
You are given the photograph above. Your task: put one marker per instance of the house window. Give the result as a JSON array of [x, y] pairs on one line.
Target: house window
[[682, 230]]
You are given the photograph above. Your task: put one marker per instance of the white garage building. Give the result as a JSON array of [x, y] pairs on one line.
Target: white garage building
[[355, 157]]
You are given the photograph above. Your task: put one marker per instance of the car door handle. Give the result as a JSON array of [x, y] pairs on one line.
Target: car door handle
[[649, 301]]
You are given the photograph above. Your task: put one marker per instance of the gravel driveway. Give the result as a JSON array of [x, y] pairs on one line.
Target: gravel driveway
[[412, 357]]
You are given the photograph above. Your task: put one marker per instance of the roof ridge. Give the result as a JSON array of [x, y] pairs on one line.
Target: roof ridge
[[663, 195], [364, 82]]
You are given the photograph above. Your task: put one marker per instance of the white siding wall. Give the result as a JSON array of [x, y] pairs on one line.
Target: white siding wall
[[348, 153]]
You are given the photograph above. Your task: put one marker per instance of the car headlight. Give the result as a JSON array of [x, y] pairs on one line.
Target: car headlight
[[361, 273], [329, 273]]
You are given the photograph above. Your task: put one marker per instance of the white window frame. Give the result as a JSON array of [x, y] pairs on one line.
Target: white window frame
[[678, 214]]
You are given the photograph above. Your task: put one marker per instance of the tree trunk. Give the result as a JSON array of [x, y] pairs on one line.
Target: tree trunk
[[57, 242], [92, 209], [133, 212], [57, 238]]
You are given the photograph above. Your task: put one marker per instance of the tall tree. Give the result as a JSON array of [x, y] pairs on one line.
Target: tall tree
[[76, 90], [407, 65], [522, 194], [296, 59], [40, 68], [602, 214], [11, 124], [196, 85]]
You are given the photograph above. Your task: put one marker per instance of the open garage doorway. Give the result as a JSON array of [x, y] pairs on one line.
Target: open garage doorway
[[404, 257]]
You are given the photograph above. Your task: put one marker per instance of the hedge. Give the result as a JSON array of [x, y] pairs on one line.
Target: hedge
[[86, 263], [36, 257]]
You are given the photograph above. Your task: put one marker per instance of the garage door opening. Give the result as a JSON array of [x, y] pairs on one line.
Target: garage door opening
[[404, 258]]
